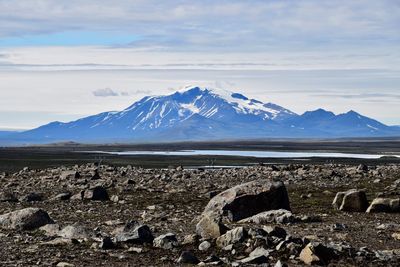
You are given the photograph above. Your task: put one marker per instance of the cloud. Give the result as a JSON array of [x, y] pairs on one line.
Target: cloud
[[106, 92], [223, 25]]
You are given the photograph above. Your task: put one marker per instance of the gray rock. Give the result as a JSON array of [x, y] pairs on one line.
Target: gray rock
[[134, 232], [260, 259], [50, 229], [25, 219], [63, 196], [260, 251], [271, 216], [246, 200], [316, 253], [167, 241], [75, 231], [210, 226], [384, 205], [68, 175], [352, 200], [204, 246], [231, 237]]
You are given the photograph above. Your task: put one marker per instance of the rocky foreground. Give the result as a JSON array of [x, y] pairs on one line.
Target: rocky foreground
[[286, 215]]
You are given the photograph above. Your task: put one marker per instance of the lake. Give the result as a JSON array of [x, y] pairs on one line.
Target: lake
[[244, 153]]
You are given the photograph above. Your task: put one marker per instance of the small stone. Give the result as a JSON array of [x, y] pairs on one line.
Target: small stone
[[75, 231], [210, 226], [50, 229], [190, 239], [275, 231], [32, 197], [64, 264], [260, 259], [106, 243], [315, 253], [135, 250], [134, 232], [63, 196], [167, 241], [231, 237], [204, 246]]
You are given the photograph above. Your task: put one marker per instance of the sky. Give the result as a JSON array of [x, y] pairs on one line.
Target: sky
[[62, 60]]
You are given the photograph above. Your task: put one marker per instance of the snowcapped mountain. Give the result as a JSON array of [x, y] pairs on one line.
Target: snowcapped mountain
[[197, 113]]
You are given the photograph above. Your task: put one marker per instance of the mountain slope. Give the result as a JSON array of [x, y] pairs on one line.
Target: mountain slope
[[205, 114]]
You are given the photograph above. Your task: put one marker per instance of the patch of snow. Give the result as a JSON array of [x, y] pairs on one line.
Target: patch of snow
[[192, 107]]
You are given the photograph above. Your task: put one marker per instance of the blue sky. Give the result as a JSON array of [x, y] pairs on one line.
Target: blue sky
[[66, 55]]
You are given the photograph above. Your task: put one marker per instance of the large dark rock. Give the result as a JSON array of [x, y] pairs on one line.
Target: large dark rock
[[25, 219], [246, 200]]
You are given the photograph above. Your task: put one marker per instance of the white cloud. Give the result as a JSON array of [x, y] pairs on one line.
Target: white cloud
[[105, 92]]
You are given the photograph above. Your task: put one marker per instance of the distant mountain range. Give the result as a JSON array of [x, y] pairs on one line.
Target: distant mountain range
[[198, 114]]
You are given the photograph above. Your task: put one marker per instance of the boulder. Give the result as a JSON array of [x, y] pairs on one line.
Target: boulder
[[134, 232], [384, 205], [231, 237], [317, 254], [352, 200], [246, 200], [25, 219], [167, 241]]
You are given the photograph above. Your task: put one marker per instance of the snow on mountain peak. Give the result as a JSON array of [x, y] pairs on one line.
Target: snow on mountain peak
[[239, 102]]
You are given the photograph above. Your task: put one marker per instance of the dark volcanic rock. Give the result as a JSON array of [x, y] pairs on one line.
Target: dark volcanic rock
[[31, 197], [188, 257]]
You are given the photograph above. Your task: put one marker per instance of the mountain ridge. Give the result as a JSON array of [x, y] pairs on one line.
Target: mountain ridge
[[200, 113]]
